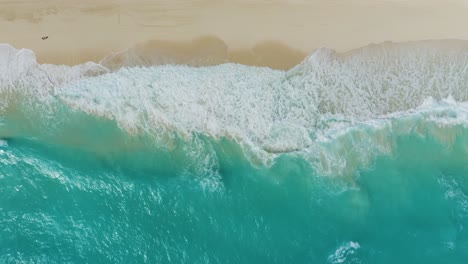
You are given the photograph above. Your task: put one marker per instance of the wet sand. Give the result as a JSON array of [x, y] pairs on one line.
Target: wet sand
[[276, 33], [204, 51]]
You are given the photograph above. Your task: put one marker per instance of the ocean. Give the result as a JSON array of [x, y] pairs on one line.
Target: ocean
[[357, 157]]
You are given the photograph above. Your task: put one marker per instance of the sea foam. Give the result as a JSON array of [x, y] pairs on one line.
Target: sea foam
[[336, 110]]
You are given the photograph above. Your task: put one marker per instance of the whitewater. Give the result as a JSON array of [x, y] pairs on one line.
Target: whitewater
[[356, 157]]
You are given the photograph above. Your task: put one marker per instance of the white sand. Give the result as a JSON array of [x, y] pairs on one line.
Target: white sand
[[94, 28]]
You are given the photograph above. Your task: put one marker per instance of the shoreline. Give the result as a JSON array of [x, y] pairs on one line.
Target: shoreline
[[204, 51], [211, 51]]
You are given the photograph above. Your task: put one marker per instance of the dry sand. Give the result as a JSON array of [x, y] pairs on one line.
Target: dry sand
[[275, 33]]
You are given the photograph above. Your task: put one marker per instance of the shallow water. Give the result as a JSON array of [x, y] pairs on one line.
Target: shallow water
[[346, 158]]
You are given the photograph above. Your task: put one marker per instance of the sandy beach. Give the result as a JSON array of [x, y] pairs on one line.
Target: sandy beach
[[275, 33]]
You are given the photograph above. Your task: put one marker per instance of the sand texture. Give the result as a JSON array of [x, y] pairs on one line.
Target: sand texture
[[276, 33]]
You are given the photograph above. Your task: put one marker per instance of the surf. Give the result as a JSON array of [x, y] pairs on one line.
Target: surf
[[328, 103], [322, 163]]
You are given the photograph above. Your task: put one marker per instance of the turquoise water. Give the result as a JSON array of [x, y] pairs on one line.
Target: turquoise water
[[360, 158]]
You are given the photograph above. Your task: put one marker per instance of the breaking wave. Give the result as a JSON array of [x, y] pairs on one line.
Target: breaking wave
[[337, 111]]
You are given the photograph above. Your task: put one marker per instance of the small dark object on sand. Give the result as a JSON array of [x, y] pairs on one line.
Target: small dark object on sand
[[44, 38]]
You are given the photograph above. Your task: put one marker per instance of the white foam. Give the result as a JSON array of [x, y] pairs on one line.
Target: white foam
[[343, 252], [21, 74], [336, 110]]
